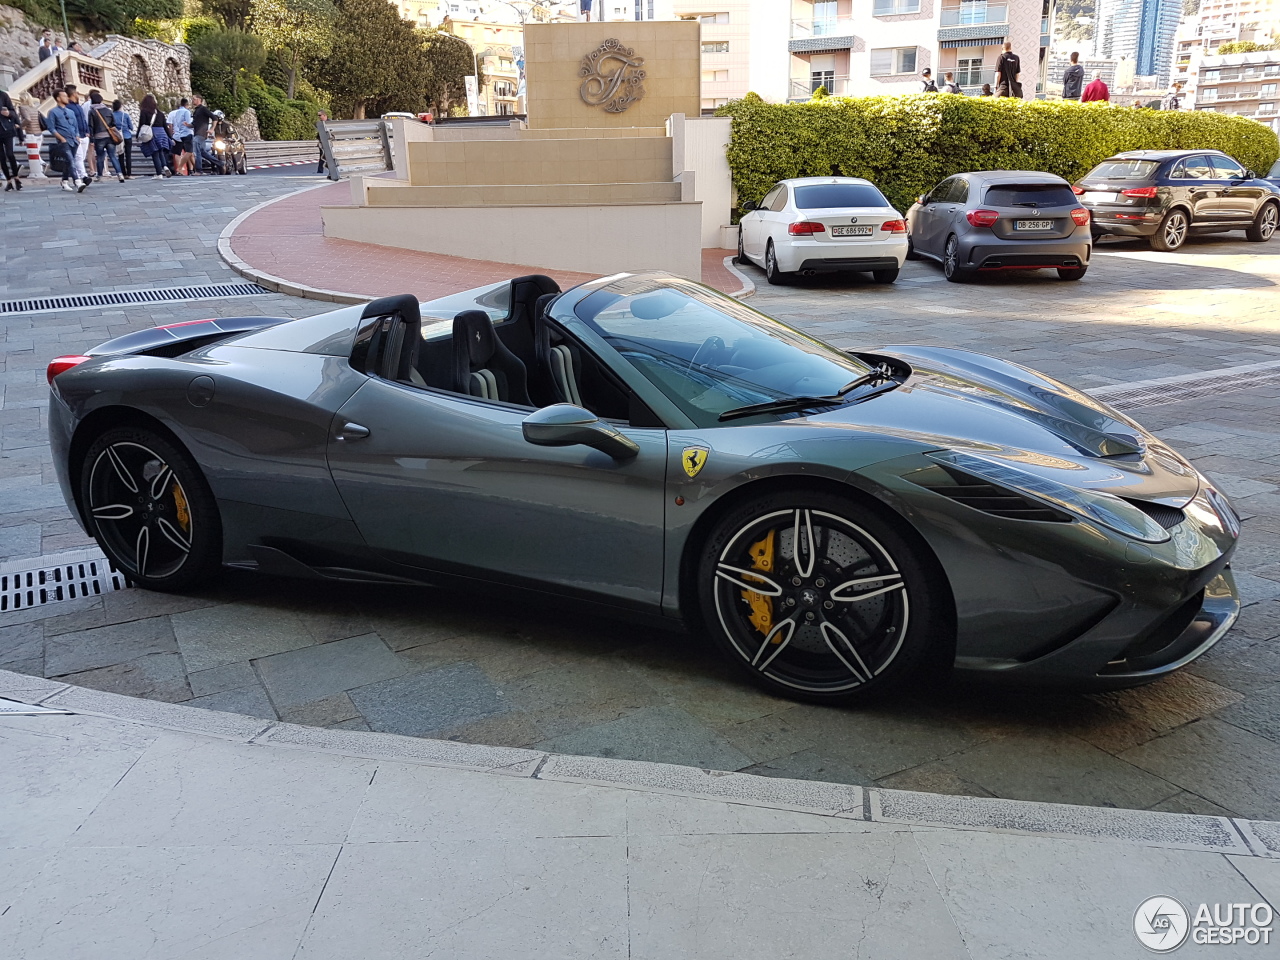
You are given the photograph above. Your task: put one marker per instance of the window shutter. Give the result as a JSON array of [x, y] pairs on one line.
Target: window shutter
[[881, 62]]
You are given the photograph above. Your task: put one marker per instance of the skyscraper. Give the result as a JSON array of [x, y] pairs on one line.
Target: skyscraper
[[1139, 30]]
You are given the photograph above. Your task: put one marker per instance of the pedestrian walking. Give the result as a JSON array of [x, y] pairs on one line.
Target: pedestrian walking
[[102, 123], [1173, 99], [10, 128], [1008, 72], [153, 135], [1073, 79], [48, 45], [323, 117], [926, 81], [949, 84], [201, 119], [33, 127], [82, 136], [1096, 91], [124, 149], [584, 8], [63, 124], [183, 132]]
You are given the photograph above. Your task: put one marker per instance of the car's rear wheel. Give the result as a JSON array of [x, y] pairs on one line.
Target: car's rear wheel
[[885, 276], [816, 597], [951, 268], [1264, 224], [1072, 273], [742, 253], [150, 509], [771, 271], [1172, 232]]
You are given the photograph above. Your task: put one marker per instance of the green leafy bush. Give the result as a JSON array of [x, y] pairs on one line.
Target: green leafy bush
[[906, 144]]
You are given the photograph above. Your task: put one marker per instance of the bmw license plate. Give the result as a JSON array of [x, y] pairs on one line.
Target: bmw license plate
[[851, 231], [1033, 225]]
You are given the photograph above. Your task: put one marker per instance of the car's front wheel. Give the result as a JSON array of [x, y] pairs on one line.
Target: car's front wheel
[[816, 597], [742, 253], [1172, 232], [951, 268], [150, 509], [1264, 224], [771, 271]]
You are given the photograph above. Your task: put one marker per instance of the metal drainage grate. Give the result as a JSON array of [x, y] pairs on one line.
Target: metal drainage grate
[[85, 301], [66, 576], [1211, 383]]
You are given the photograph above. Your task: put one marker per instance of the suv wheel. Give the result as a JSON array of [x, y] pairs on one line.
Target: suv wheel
[[1172, 232], [1264, 224]]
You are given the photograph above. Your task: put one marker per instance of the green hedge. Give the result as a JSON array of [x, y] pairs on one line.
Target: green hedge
[[906, 144]]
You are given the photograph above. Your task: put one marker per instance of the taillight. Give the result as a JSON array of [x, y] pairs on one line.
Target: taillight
[[806, 228], [1080, 215], [1147, 192], [982, 218], [1077, 190], [62, 364], [894, 226]]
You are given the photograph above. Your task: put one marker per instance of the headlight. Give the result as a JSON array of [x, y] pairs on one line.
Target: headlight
[[1103, 508], [219, 145]]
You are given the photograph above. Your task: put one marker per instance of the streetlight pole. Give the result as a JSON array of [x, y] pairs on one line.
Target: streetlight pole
[[475, 63]]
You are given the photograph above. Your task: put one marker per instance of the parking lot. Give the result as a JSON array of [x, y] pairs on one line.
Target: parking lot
[[1204, 323]]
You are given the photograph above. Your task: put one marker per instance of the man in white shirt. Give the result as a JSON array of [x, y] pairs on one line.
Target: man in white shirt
[[184, 131]]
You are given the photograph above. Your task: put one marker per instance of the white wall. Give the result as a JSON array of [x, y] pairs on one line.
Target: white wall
[[698, 146]]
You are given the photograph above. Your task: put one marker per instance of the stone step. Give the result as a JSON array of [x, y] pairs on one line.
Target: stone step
[[535, 161], [383, 194]]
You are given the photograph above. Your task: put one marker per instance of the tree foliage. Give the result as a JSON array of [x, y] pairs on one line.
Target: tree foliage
[[301, 29], [381, 63], [907, 144], [101, 16], [1244, 46], [228, 56], [451, 62], [230, 13]]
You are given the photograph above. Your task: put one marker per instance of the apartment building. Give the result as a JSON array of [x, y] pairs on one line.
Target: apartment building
[[1246, 84], [1218, 22], [1139, 30]]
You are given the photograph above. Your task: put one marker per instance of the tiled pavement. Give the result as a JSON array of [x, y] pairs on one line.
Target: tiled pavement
[[285, 242], [487, 670]]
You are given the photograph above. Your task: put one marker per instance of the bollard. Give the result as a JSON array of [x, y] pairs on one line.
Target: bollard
[[33, 158]]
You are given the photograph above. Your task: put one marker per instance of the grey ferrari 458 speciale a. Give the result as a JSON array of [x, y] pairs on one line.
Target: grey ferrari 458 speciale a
[[832, 519]]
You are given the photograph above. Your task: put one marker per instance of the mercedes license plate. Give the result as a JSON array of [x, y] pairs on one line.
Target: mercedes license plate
[[851, 231], [1099, 196], [1033, 225]]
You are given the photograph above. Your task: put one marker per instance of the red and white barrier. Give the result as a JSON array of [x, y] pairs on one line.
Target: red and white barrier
[[33, 157]]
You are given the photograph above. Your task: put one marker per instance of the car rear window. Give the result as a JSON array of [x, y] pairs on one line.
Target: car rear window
[[820, 195], [1040, 194], [1123, 170]]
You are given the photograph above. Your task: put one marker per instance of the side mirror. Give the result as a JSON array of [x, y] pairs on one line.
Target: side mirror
[[564, 425], [747, 206], [922, 200]]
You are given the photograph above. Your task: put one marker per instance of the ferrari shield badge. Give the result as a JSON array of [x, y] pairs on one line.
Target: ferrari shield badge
[[694, 459]]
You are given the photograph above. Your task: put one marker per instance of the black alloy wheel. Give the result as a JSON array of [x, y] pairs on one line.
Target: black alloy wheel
[[150, 509], [1172, 232], [1264, 224], [771, 271], [951, 268], [815, 597], [742, 253]]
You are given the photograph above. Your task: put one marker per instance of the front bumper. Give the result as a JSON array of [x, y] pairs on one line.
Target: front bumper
[[829, 256]]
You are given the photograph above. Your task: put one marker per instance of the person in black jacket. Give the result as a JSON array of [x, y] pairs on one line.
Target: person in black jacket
[[10, 128], [201, 118], [1008, 73], [1073, 79]]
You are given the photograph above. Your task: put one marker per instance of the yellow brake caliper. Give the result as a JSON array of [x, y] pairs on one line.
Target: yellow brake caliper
[[761, 554], [182, 510]]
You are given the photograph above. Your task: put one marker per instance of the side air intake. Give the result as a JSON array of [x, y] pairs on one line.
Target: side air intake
[[985, 496]]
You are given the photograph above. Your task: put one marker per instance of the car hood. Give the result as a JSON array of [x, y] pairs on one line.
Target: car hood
[[959, 400]]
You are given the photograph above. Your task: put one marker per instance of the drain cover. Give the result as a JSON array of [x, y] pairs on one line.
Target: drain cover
[[88, 301], [65, 576]]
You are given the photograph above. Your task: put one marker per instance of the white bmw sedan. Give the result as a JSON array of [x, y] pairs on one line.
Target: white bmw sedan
[[815, 225]]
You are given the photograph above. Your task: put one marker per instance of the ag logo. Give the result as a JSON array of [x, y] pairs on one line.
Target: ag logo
[[1161, 924], [694, 459]]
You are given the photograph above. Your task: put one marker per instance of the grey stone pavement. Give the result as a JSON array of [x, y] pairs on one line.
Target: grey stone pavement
[[134, 830], [478, 670]]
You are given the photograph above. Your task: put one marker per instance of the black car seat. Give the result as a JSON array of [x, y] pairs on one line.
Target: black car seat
[[559, 365], [517, 329], [482, 364]]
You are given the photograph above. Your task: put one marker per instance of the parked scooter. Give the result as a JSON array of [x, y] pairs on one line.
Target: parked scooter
[[228, 148]]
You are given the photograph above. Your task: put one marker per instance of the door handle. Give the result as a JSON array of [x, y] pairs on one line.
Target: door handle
[[352, 431]]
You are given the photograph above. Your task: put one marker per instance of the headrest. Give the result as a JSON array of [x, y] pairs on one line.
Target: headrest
[[404, 305], [534, 285], [475, 329]]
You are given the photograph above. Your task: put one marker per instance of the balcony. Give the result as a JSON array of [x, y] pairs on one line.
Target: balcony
[[974, 14], [802, 87], [817, 36]]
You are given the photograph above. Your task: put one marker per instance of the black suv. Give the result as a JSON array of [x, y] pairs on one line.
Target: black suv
[[1164, 195]]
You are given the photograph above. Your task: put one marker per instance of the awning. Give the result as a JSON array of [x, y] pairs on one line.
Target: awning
[[976, 42]]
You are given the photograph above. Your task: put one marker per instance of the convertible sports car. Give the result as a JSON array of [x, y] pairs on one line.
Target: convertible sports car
[[833, 520]]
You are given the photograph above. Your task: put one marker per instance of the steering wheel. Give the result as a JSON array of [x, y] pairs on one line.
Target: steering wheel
[[713, 346]]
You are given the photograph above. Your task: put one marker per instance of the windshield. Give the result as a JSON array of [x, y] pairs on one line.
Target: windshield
[[1123, 170], [709, 353], [820, 195], [494, 299]]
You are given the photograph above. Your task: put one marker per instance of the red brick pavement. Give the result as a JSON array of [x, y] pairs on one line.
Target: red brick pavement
[[285, 240]]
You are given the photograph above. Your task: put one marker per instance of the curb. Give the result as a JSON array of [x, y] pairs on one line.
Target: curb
[[748, 287], [267, 280], [1235, 836]]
